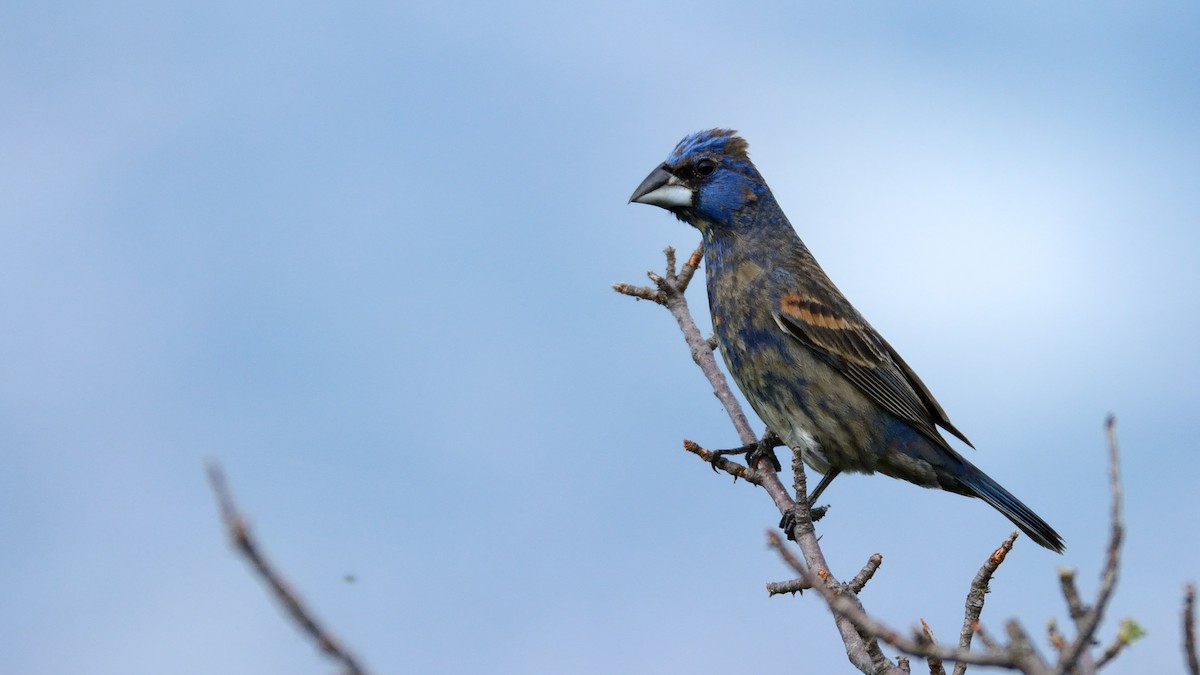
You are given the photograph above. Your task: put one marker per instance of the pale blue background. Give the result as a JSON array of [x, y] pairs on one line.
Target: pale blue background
[[362, 254]]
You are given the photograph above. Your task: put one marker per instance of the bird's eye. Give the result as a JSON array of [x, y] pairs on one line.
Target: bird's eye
[[705, 167]]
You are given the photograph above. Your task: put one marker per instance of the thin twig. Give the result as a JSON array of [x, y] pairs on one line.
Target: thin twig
[[984, 637], [1128, 631], [1189, 629], [1055, 637], [792, 586], [1075, 606], [1091, 620], [724, 464], [866, 573], [976, 596], [1020, 647], [1111, 653], [239, 535], [690, 266], [640, 292], [935, 664]]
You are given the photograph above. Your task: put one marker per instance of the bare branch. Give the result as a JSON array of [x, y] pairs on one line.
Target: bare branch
[[1056, 638], [639, 292], [1091, 619], [239, 535], [1021, 649], [977, 594], [1126, 634], [985, 637], [1189, 629], [690, 266], [791, 586], [724, 464], [866, 573], [935, 664], [842, 605], [1111, 653], [1075, 606]]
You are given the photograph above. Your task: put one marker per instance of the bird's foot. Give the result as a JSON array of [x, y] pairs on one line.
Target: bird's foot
[[815, 512], [788, 522], [764, 447]]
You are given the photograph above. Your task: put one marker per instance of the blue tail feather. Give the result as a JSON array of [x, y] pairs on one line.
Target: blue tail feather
[[982, 486]]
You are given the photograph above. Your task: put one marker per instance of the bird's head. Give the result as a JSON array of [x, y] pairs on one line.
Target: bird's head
[[707, 178]]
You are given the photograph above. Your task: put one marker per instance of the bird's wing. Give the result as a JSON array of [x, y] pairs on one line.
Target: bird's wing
[[860, 354]]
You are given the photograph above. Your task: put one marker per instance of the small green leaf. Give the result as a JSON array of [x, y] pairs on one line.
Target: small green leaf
[[1130, 631]]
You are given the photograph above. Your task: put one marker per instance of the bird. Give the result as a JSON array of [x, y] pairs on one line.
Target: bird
[[817, 374]]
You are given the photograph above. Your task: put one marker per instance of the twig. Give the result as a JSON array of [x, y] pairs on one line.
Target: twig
[[690, 267], [1189, 629], [1111, 653], [721, 462], [1126, 634], [1075, 606], [1091, 619], [640, 292], [1020, 648], [239, 535], [984, 637], [935, 664], [976, 596], [791, 586], [866, 573], [1056, 638]]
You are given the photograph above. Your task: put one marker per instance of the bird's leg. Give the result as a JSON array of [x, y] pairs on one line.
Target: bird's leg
[[763, 447], [817, 512], [825, 481]]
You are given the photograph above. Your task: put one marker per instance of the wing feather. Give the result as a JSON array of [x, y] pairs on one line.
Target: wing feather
[[860, 354]]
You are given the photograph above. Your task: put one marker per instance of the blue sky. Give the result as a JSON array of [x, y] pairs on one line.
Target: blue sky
[[362, 256]]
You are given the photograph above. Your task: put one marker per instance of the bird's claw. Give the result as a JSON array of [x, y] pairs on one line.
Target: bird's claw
[[788, 522], [761, 448], [765, 448]]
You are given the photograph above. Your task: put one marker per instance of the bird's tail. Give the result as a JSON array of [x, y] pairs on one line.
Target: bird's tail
[[982, 486]]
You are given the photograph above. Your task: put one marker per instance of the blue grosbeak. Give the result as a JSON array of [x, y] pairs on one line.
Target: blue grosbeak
[[812, 368]]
